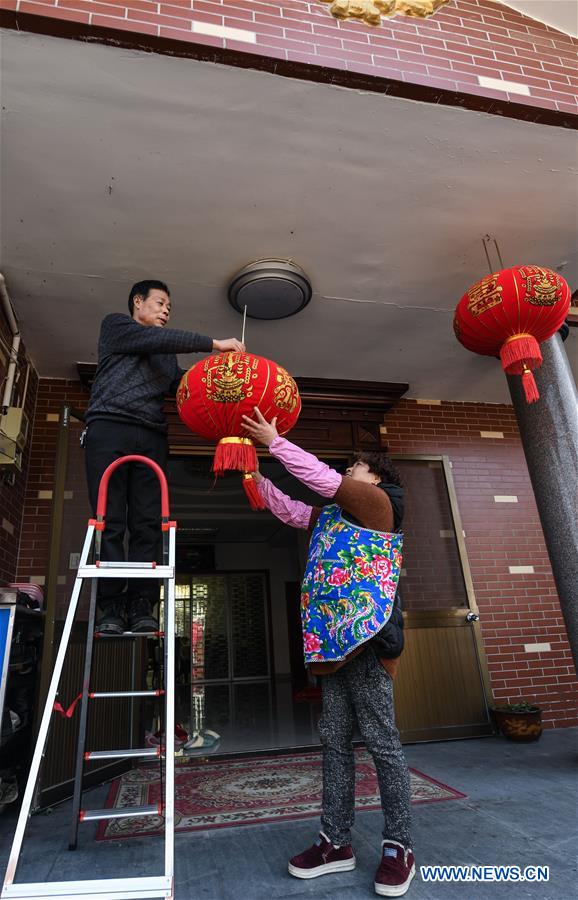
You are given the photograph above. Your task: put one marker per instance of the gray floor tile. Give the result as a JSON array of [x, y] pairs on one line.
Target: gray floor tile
[[520, 810]]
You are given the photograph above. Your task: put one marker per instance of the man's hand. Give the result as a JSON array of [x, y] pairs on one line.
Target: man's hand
[[261, 430], [228, 344]]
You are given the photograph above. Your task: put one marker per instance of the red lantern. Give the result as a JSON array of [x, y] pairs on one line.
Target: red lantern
[[508, 314], [218, 390]]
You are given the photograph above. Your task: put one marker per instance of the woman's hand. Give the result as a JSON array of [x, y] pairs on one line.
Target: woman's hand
[[260, 429], [256, 475]]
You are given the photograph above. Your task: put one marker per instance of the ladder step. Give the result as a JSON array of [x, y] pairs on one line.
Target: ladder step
[[108, 564], [119, 888], [97, 695], [129, 634], [93, 571], [96, 815], [144, 753]]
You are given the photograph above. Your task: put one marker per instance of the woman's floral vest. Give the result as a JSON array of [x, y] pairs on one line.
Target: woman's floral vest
[[349, 586]]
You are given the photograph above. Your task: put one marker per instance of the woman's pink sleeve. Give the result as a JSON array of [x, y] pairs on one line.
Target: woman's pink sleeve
[[315, 474], [292, 512]]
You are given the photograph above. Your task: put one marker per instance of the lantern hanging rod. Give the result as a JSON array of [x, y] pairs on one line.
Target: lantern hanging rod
[[244, 320], [490, 239]]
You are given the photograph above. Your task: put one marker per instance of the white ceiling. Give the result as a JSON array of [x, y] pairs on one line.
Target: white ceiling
[[118, 165], [561, 14]]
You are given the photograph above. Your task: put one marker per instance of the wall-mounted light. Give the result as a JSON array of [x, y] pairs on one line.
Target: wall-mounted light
[[270, 289]]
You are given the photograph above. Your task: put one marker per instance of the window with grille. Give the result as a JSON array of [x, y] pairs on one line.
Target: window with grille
[[222, 623]]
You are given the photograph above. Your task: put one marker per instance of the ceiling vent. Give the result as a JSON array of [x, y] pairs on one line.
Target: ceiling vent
[[270, 289]]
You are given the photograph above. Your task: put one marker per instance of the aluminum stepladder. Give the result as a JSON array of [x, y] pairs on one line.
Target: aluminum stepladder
[[113, 888]]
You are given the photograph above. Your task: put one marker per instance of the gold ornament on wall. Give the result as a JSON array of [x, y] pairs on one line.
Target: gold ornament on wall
[[372, 11]]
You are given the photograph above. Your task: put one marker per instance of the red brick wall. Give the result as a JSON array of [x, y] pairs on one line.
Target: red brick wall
[[462, 41], [13, 482], [514, 609], [34, 543]]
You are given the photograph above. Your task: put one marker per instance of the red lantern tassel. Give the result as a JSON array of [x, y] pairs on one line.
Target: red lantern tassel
[[234, 453], [530, 386], [519, 351], [518, 354], [252, 492]]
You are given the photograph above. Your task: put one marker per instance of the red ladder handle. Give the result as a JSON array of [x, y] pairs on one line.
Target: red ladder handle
[[103, 488]]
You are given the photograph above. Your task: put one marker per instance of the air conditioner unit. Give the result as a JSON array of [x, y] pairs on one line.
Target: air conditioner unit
[[14, 427]]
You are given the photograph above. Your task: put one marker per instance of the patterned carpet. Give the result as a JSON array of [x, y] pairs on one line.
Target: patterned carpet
[[216, 794]]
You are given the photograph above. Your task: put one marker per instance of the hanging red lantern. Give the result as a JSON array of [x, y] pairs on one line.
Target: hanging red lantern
[[509, 313], [217, 391]]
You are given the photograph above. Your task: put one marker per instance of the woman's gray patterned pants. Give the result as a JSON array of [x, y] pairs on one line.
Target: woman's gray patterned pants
[[362, 692]]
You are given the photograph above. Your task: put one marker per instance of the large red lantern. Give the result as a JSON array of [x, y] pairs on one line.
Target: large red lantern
[[218, 390], [508, 314]]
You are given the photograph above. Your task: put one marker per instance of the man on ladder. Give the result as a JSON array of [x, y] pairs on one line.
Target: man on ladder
[[126, 445], [137, 368]]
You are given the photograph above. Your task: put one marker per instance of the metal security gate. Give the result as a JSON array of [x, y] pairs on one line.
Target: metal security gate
[[223, 649]]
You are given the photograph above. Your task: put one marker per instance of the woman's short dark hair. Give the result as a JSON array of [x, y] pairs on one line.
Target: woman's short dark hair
[[379, 463], [143, 288]]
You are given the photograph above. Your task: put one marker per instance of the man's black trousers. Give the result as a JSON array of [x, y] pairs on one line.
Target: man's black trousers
[[133, 503]]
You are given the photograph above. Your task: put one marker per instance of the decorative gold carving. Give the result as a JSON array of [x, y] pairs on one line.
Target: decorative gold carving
[[228, 377], [372, 11], [484, 295], [285, 394], [543, 287], [419, 9]]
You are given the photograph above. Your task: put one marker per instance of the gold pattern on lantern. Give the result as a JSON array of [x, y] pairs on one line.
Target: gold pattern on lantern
[[285, 394], [372, 11], [543, 287], [484, 295], [183, 393], [228, 377]]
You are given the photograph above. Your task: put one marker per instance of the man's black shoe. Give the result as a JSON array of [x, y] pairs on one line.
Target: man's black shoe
[[110, 622], [140, 618]]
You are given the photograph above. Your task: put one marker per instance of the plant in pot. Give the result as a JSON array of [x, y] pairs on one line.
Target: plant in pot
[[519, 721]]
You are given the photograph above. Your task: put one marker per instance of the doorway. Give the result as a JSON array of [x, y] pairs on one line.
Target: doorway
[[443, 688], [238, 575], [235, 569]]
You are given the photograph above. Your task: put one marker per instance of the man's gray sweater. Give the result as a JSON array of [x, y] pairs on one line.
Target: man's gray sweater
[[137, 368]]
